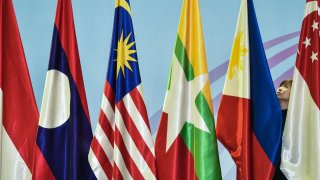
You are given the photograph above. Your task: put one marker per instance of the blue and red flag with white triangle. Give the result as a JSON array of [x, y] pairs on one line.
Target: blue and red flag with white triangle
[[64, 133], [249, 118]]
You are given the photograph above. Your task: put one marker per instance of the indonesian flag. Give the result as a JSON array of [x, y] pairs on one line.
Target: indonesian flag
[[186, 145], [300, 157], [18, 111], [249, 117]]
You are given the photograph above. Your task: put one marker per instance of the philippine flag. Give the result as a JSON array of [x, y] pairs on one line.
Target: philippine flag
[[64, 133], [249, 117]]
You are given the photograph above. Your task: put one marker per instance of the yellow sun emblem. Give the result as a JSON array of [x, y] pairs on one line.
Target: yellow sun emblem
[[124, 54], [238, 52]]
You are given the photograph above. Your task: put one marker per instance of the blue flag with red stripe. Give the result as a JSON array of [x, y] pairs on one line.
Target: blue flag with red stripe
[[265, 109], [64, 133]]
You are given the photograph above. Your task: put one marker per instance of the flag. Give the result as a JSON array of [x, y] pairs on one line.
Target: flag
[[122, 147], [186, 145], [18, 110], [249, 118], [64, 132], [300, 157]]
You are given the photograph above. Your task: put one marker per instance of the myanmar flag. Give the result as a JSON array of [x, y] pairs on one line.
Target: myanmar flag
[[186, 145]]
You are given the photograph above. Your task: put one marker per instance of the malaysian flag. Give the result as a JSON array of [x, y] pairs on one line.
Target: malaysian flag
[[122, 147]]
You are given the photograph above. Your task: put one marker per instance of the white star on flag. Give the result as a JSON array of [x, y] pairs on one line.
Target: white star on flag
[[180, 102], [314, 56], [315, 25], [307, 42]]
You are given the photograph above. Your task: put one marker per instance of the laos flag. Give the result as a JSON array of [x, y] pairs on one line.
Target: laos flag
[[64, 133], [249, 119]]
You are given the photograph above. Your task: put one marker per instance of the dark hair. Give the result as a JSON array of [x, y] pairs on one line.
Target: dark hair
[[286, 81]]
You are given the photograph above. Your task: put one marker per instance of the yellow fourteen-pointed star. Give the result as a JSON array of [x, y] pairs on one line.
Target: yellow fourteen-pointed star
[[180, 102], [124, 54]]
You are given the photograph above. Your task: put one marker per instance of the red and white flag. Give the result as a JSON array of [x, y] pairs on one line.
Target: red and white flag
[[18, 111], [300, 157]]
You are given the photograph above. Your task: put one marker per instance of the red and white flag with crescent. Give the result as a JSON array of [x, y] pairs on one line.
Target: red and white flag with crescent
[[300, 157]]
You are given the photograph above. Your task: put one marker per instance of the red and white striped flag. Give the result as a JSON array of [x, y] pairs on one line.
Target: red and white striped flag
[[18, 110], [122, 147]]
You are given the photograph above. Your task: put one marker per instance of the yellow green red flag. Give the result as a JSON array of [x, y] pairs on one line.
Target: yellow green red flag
[[186, 145]]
